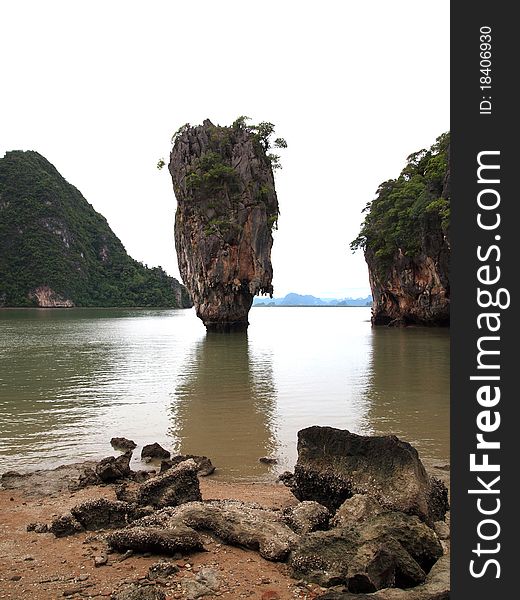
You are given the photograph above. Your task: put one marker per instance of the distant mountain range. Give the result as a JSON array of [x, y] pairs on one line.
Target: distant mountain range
[[307, 300]]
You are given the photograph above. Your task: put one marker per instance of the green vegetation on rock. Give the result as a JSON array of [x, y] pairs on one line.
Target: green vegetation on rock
[[398, 217], [50, 236], [213, 180]]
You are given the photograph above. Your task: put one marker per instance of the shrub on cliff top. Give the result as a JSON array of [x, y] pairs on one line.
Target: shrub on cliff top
[[396, 219]]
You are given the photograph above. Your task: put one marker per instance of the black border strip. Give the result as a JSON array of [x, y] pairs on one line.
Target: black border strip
[[478, 128]]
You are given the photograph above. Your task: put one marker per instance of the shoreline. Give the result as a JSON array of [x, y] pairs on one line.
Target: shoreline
[[41, 566]]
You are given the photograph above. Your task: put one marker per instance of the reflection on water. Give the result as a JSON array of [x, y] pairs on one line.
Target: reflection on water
[[225, 401], [70, 380], [409, 387]]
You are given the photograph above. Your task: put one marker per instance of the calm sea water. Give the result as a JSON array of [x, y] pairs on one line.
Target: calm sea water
[[72, 379]]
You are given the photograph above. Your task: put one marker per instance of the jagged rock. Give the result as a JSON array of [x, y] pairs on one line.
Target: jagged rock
[[87, 478], [236, 523], [178, 538], [356, 509], [162, 569], [287, 478], [38, 527], [389, 550], [419, 540], [98, 514], [226, 208], [438, 503], [306, 516], [135, 591], [154, 451], [435, 587], [204, 464], [123, 444], [114, 468], [103, 514], [65, 525], [175, 486], [334, 464], [206, 582]]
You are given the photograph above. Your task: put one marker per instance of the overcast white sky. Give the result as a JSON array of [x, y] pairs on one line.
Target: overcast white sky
[[99, 87]]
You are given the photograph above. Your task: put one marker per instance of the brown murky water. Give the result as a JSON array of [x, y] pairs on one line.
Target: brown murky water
[[72, 379]]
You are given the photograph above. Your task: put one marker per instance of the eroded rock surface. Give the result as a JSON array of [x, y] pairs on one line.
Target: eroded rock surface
[[435, 587], [236, 523], [406, 241], [175, 486], [114, 468], [334, 464], [204, 465], [123, 444], [150, 539], [226, 209], [154, 451], [388, 550]]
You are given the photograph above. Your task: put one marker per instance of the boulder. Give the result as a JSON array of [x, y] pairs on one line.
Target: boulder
[[65, 525], [435, 587], [389, 550], [97, 514], [154, 451], [142, 476], [237, 523], [87, 478], [114, 468], [134, 591], [38, 527], [307, 516], [123, 444], [287, 478], [103, 514], [241, 524], [151, 539], [334, 464], [205, 583], [175, 486], [356, 509], [204, 464]]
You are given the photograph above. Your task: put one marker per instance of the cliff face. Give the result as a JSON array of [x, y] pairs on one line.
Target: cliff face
[[405, 238], [226, 209], [413, 290], [57, 251]]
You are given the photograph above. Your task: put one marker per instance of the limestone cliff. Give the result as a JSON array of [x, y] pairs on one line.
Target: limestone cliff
[[226, 209], [56, 251], [405, 238]]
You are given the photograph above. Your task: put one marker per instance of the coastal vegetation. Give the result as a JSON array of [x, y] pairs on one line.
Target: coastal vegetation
[[406, 241], [51, 237], [396, 219]]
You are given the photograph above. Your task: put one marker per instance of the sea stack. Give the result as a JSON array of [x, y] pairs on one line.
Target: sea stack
[[226, 210], [406, 241]]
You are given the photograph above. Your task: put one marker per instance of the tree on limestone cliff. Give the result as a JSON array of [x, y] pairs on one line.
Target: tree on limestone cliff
[[396, 219]]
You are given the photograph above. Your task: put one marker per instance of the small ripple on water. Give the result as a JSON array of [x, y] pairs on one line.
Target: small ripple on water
[[71, 381]]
